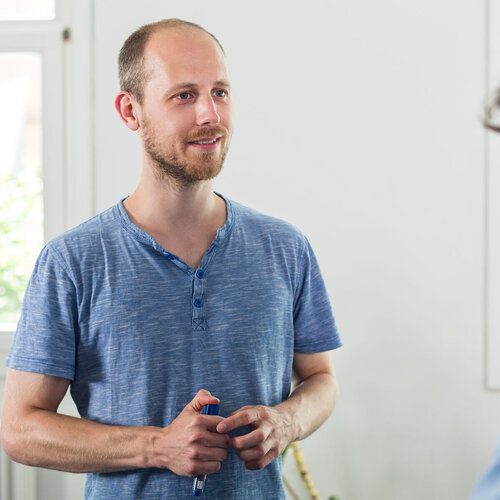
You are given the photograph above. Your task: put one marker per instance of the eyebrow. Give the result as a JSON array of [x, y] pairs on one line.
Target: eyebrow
[[189, 85]]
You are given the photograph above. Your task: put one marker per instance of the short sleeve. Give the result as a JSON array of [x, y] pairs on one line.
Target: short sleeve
[[314, 324], [44, 341]]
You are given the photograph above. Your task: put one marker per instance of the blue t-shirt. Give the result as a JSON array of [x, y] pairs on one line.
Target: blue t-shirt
[[138, 332]]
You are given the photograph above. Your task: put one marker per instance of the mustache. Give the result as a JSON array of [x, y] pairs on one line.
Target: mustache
[[211, 131]]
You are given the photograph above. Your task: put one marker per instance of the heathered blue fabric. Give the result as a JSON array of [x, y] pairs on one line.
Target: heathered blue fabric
[[108, 308]]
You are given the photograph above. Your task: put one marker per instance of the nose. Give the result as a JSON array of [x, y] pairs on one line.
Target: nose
[[206, 112]]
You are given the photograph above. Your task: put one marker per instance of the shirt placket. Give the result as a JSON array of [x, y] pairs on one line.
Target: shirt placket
[[199, 309]]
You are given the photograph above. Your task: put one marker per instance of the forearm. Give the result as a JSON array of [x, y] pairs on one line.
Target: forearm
[[47, 439], [309, 405]]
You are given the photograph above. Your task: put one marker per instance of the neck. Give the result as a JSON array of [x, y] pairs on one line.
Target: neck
[[163, 203]]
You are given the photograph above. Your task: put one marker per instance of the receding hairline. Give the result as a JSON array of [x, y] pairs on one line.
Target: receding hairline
[[148, 72], [180, 26]]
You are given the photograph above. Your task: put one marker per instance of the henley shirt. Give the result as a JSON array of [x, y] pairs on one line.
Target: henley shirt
[[138, 332]]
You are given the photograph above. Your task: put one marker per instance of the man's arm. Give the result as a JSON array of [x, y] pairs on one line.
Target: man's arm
[[309, 405], [34, 433]]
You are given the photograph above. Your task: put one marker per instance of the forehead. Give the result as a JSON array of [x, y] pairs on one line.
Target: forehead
[[173, 55]]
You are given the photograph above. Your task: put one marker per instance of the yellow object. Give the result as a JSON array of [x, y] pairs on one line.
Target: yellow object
[[304, 473]]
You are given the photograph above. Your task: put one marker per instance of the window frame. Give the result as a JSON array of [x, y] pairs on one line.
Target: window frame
[[67, 142]]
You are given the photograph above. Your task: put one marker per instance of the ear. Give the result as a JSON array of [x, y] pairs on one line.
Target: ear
[[127, 108]]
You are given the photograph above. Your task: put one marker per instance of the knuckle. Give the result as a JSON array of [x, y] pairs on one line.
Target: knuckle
[[264, 411], [194, 437], [194, 454], [260, 435], [260, 449], [197, 420], [191, 469]]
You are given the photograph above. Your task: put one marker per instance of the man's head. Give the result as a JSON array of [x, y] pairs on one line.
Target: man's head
[[131, 69], [175, 92]]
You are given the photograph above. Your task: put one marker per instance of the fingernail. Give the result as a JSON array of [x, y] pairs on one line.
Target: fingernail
[[222, 427]]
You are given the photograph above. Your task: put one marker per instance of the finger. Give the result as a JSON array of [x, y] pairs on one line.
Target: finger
[[202, 399], [209, 422], [254, 438], [260, 463], [202, 467], [246, 407], [208, 454], [239, 418], [213, 440], [254, 453]]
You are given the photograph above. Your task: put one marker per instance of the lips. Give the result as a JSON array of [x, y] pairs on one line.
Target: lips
[[206, 143], [207, 140]]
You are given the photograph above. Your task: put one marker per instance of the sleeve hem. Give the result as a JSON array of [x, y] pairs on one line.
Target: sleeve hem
[[319, 347], [38, 366]]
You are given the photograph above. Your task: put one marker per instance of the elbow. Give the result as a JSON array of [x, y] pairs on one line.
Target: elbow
[[11, 444], [8, 444]]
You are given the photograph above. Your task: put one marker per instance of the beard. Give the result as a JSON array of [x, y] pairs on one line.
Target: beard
[[169, 161]]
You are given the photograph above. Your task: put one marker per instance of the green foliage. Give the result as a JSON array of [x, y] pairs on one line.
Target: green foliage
[[21, 237]]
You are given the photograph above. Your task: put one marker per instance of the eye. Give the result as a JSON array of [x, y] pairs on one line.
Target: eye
[[220, 93], [183, 96]]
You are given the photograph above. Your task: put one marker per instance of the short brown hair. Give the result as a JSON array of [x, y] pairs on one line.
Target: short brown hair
[[131, 69]]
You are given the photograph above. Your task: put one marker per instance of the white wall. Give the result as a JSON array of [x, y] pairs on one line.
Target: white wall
[[357, 121]]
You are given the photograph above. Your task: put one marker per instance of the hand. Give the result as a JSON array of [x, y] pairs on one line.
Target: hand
[[190, 445], [272, 431]]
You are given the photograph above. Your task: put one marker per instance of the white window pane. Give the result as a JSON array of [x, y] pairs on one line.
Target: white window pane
[[11, 10], [21, 204]]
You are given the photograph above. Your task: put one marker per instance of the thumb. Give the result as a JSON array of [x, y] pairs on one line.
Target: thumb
[[201, 399]]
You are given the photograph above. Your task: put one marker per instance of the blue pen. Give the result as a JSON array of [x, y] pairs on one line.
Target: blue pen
[[199, 481]]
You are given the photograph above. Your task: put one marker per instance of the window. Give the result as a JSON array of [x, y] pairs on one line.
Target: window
[[31, 146], [21, 204]]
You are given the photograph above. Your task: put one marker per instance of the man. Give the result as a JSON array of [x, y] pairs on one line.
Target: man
[[166, 300]]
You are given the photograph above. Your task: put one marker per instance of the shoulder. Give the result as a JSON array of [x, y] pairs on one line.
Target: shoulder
[[261, 225], [75, 247]]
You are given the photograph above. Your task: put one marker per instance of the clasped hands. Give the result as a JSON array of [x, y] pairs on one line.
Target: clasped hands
[[200, 441]]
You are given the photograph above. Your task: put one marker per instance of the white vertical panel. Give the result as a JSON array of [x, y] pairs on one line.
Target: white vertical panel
[[5, 477], [78, 66], [493, 211], [23, 482], [5, 463], [54, 175]]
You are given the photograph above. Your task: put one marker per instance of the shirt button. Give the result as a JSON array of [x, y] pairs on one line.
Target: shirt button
[[198, 303], [200, 274]]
